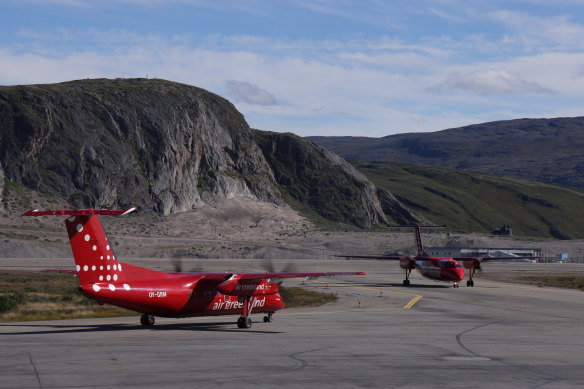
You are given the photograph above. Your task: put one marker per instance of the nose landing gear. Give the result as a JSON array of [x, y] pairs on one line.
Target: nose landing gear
[[147, 320]]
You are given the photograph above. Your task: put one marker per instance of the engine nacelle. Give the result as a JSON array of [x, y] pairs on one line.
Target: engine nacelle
[[235, 286], [407, 264], [471, 263]]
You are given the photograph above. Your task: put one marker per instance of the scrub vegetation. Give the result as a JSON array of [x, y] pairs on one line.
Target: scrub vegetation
[[569, 282]]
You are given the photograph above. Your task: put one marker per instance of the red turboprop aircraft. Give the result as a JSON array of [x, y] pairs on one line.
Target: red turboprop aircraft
[[108, 281], [447, 269]]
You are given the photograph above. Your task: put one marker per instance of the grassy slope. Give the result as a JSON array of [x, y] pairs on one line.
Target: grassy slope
[[478, 202]]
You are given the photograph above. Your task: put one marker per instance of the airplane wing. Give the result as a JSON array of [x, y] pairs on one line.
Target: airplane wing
[[90, 211], [264, 276], [486, 259], [274, 276], [475, 262]]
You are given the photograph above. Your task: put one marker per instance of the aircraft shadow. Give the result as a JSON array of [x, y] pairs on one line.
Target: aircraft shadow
[[400, 285], [88, 328]]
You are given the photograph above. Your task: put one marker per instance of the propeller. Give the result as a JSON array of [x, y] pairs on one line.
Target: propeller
[[177, 264], [268, 266]]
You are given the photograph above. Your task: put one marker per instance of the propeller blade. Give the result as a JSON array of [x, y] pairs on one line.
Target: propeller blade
[[177, 265]]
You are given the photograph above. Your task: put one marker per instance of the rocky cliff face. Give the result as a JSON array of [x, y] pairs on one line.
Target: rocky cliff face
[[164, 146], [104, 143]]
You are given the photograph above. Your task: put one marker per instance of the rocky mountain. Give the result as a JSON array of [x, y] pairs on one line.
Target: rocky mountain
[[165, 146], [545, 150], [311, 175]]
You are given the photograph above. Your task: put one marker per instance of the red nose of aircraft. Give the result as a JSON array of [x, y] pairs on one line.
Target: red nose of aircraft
[[459, 273]]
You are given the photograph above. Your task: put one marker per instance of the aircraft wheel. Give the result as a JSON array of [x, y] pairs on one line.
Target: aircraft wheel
[[244, 322], [147, 320], [406, 282], [268, 318], [472, 283]]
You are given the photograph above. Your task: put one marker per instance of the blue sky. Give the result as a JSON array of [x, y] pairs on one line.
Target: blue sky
[[320, 67]]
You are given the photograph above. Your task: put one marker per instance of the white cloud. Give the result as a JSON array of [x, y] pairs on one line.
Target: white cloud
[[249, 93], [540, 33], [357, 85], [491, 82]]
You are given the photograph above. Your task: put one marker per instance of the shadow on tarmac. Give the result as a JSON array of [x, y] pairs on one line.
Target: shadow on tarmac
[[40, 329]]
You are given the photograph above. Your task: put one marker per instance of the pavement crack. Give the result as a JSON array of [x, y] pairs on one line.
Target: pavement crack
[[549, 379], [459, 337], [303, 362], [36, 372]]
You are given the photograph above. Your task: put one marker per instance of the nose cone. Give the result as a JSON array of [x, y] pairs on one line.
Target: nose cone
[[459, 273], [276, 302]]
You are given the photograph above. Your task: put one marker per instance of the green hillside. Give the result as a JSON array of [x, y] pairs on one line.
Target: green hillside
[[469, 201]]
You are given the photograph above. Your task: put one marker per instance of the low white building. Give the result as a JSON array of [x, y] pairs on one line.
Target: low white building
[[482, 252]]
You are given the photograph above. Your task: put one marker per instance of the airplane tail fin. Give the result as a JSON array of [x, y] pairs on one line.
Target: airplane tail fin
[[94, 257], [420, 252]]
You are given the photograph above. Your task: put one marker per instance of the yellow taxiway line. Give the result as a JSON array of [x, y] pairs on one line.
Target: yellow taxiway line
[[411, 303]]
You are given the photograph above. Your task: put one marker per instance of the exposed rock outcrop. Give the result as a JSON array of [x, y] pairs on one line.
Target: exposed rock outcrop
[[164, 146], [312, 175], [104, 143]]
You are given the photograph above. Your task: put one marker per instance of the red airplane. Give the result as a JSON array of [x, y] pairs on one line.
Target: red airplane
[[447, 269], [108, 281]]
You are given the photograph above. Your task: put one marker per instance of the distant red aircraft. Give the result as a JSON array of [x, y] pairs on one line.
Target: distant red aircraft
[[447, 269], [108, 281]]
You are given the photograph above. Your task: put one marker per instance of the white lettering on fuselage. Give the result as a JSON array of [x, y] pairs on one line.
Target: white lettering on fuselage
[[159, 294], [234, 304], [250, 287]]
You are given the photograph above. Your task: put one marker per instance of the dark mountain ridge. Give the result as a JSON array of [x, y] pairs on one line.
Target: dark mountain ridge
[[545, 150]]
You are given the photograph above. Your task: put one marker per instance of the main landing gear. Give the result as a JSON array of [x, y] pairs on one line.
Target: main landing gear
[[471, 273], [244, 322], [147, 320], [407, 280]]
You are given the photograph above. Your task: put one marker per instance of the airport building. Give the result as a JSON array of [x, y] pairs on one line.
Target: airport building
[[482, 252]]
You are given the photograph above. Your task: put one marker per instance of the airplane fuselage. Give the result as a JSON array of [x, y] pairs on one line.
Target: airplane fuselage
[[434, 268], [175, 295]]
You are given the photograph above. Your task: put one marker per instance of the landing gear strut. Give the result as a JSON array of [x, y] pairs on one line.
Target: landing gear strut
[[407, 280], [471, 272], [269, 317], [245, 321], [147, 320]]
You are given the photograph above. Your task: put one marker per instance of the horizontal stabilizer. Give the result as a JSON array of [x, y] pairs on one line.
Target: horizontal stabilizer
[[78, 212]]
